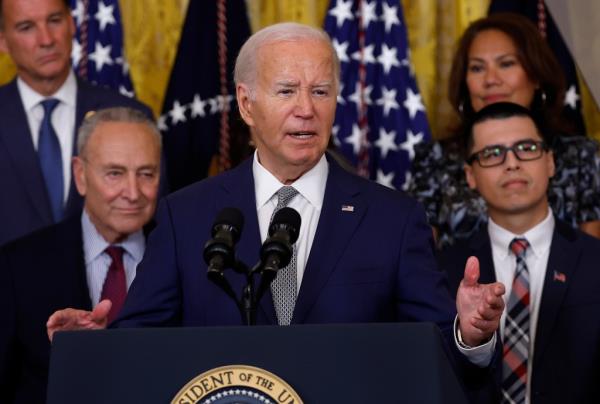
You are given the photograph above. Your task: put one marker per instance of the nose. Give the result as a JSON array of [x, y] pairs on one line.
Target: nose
[[491, 76], [304, 104], [131, 189], [45, 37], [511, 161]]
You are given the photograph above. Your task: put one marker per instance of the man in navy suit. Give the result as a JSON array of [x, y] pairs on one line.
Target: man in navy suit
[[551, 327], [38, 35], [69, 264], [363, 253]]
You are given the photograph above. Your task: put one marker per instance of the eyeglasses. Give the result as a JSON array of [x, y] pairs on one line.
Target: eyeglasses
[[495, 155]]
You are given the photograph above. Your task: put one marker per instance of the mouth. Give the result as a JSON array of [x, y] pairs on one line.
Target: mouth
[[302, 135], [490, 99], [515, 183]]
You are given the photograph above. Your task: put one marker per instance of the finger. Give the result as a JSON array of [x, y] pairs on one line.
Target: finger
[[485, 327], [100, 313], [471, 275]]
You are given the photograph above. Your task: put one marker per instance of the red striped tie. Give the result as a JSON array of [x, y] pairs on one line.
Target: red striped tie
[[115, 285], [516, 330]]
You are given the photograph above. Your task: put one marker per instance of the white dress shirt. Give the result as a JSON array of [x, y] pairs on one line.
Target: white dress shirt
[[97, 262], [505, 265], [308, 203], [63, 120]]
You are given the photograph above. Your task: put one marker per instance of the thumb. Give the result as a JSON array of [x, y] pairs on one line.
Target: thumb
[[471, 271], [100, 312]]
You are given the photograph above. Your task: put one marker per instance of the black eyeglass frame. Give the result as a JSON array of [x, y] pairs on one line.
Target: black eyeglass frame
[[505, 149]]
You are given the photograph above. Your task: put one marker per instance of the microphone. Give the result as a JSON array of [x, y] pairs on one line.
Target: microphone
[[219, 253], [277, 251]]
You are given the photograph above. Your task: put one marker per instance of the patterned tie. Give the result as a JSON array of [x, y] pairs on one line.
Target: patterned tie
[[516, 330], [115, 285], [284, 287], [50, 158]]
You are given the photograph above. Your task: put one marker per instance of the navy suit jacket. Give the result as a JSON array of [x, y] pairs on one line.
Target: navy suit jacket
[[372, 263], [39, 274], [24, 206], [566, 363]]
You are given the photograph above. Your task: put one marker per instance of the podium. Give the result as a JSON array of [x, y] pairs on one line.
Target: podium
[[353, 363]]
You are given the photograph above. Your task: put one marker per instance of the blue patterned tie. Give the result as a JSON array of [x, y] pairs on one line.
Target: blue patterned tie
[[284, 288], [516, 330], [50, 158]]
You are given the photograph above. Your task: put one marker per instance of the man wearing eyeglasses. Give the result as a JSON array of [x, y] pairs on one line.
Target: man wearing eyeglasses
[[551, 326]]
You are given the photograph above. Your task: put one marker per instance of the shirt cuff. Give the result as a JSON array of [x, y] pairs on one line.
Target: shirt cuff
[[480, 355]]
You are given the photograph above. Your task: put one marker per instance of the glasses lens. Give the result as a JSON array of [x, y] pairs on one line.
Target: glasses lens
[[491, 156], [528, 150]]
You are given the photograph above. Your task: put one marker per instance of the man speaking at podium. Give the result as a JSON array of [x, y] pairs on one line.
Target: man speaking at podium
[[363, 253]]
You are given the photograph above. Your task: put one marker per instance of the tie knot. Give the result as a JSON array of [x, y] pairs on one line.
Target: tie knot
[[285, 195], [49, 104], [115, 252], [519, 246]]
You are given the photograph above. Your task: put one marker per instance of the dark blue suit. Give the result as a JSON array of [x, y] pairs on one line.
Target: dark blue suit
[[39, 274], [24, 205], [566, 363], [374, 264]]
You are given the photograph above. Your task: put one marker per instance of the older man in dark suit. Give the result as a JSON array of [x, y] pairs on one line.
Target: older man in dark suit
[[84, 259], [40, 111], [551, 327]]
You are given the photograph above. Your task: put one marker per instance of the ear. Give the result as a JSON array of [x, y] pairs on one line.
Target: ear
[[3, 45], [245, 103], [470, 176], [79, 175], [551, 166]]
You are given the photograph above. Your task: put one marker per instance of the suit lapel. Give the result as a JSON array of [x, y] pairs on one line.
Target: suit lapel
[[562, 264], [16, 137], [335, 229]]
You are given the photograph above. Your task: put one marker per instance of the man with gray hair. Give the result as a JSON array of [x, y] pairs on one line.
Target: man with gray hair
[[363, 252], [85, 259]]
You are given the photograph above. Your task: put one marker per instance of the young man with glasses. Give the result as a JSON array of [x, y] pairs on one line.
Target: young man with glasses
[[551, 326]]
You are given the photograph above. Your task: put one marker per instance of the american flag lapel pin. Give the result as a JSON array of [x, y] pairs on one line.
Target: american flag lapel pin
[[559, 277], [347, 208]]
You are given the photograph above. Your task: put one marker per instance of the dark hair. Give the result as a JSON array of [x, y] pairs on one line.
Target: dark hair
[[67, 5], [505, 110], [533, 53]]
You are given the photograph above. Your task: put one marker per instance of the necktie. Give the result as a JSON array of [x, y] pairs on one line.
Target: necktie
[[284, 288], [115, 285], [50, 158], [516, 330]]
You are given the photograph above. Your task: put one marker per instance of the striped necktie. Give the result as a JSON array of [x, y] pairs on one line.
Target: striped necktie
[[516, 330], [284, 288]]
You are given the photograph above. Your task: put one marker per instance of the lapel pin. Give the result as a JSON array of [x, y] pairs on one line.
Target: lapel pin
[[559, 277], [347, 208]]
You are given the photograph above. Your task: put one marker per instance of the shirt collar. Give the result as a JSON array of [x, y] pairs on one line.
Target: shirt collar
[[94, 244], [311, 185], [67, 93], [537, 236]]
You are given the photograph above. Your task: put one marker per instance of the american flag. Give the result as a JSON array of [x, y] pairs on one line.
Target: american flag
[[380, 115], [97, 53]]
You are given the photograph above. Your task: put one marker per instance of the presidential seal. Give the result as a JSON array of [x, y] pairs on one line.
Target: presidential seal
[[237, 384]]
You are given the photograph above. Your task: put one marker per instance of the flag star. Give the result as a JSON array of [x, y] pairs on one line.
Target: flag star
[[359, 98], [410, 142], [366, 55], [177, 113], [101, 56], [214, 105], [342, 11], [385, 179], [413, 103], [368, 13], [388, 58], [571, 97], [162, 123], [104, 15], [197, 106], [126, 92], [388, 100], [386, 142], [75, 53], [334, 135], [341, 99], [124, 65], [341, 49], [390, 16], [355, 139], [407, 181], [78, 12]]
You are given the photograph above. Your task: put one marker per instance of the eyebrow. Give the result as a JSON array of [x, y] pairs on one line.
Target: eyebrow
[[479, 59]]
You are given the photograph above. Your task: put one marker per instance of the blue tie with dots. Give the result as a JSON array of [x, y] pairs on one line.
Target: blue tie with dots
[[50, 158]]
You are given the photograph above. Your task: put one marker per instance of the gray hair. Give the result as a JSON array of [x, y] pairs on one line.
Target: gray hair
[[117, 114], [246, 69]]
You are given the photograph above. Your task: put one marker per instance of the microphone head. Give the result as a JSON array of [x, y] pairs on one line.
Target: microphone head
[[289, 219], [230, 219]]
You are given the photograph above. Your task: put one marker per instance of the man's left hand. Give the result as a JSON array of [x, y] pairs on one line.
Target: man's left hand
[[479, 306]]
